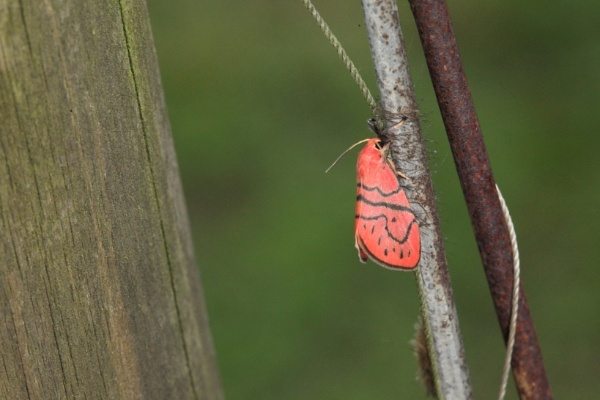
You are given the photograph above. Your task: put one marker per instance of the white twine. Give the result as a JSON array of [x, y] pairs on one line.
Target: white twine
[[515, 300], [345, 59]]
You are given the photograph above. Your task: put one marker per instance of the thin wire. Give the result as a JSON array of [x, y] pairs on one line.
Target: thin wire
[[345, 59], [515, 300]]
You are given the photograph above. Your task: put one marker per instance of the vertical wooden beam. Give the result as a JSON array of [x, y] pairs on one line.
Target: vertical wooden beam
[[99, 292]]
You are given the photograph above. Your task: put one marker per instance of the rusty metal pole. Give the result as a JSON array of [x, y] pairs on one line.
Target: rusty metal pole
[[474, 170]]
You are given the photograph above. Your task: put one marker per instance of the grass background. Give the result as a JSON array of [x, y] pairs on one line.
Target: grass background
[[260, 105]]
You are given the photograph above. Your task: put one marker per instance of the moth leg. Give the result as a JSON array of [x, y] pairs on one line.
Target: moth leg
[[362, 256], [400, 174], [386, 150], [398, 124]]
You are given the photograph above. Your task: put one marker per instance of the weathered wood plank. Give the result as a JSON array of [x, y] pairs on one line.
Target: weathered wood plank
[[99, 293]]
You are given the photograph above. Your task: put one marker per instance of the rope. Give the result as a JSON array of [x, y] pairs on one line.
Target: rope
[[515, 297], [345, 59]]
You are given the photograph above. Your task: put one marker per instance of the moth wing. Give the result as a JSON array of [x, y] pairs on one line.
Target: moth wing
[[386, 228], [362, 256]]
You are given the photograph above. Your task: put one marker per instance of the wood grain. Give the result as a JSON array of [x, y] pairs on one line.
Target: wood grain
[[100, 296]]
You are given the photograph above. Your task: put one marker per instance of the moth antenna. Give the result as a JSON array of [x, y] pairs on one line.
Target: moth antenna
[[344, 153]]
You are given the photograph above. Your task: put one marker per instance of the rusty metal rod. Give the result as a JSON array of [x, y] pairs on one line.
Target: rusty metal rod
[[478, 185]]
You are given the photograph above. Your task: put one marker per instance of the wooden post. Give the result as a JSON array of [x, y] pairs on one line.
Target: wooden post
[[99, 293]]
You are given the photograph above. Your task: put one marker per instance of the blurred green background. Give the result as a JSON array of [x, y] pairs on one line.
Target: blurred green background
[[260, 105]]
